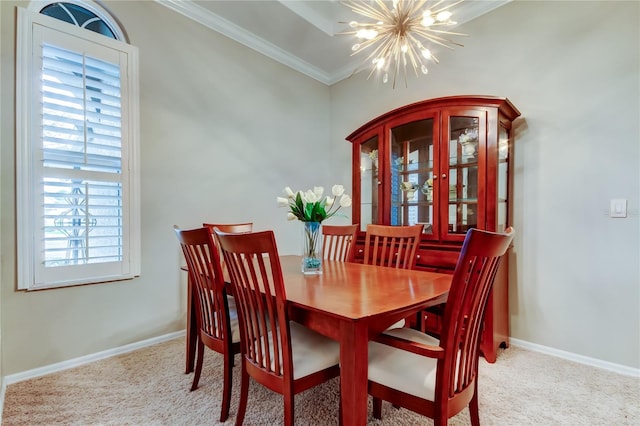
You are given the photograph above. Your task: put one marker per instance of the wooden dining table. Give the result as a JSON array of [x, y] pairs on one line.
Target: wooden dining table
[[350, 302]]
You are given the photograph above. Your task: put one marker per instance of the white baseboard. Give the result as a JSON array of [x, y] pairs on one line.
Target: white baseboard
[[581, 359], [76, 362]]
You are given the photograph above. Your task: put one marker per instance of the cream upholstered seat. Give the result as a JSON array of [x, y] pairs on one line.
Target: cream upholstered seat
[[420, 380], [439, 378], [310, 351]]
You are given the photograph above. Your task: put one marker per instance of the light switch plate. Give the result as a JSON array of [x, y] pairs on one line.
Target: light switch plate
[[618, 208]]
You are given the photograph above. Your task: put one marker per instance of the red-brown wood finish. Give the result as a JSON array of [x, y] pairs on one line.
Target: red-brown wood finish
[[392, 246], [192, 338], [439, 250], [457, 351], [211, 307], [338, 242], [268, 336], [352, 302]]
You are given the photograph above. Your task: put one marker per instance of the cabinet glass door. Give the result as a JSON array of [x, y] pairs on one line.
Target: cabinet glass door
[[411, 163], [460, 185], [369, 182], [503, 176]]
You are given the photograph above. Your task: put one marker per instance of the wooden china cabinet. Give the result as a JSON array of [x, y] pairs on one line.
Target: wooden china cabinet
[[446, 163]]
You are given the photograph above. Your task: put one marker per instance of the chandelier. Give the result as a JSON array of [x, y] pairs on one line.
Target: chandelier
[[398, 35]]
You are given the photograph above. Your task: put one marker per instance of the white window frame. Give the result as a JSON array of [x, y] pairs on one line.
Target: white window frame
[[32, 275]]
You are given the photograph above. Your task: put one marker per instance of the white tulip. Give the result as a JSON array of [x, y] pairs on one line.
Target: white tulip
[[329, 202], [337, 190], [318, 190], [282, 202], [289, 192], [345, 201], [310, 197], [291, 216]]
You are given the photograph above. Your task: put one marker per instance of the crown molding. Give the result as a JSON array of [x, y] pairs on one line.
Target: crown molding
[[236, 33], [193, 11]]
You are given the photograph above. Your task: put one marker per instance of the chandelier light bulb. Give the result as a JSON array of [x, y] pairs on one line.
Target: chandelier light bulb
[[353, 24], [443, 16], [426, 53], [367, 34], [424, 70], [355, 47], [427, 19]]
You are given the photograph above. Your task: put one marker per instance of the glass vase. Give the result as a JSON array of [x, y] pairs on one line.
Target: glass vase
[[312, 248]]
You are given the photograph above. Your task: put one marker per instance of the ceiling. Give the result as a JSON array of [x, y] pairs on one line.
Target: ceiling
[[301, 34]]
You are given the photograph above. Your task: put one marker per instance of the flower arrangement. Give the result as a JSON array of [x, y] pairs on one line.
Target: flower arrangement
[[312, 205], [373, 155]]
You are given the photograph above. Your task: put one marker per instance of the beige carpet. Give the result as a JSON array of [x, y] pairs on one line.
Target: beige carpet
[[149, 387]]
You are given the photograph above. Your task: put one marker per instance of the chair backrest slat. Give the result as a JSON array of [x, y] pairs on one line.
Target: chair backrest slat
[[392, 246], [230, 228], [338, 242], [477, 266], [256, 276], [205, 274]]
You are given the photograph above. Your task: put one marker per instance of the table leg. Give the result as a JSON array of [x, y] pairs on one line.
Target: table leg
[[192, 330], [353, 373]]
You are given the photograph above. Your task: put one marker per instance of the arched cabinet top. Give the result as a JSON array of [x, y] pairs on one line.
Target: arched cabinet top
[[504, 105]]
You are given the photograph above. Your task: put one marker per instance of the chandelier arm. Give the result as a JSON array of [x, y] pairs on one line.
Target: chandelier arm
[[438, 40], [384, 9], [386, 49], [380, 51], [448, 6], [368, 43], [413, 55], [367, 10], [430, 29], [417, 6]]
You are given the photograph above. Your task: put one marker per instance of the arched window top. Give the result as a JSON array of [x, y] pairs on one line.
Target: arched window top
[[82, 13]]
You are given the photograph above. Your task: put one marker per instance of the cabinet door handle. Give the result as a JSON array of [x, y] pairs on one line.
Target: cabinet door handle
[[444, 176], [379, 182]]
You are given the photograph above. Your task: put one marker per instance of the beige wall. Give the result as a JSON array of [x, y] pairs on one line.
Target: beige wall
[[572, 69], [224, 129]]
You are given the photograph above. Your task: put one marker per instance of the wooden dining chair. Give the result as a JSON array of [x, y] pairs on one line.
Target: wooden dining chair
[[338, 242], [392, 246], [280, 354], [439, 378], [233, 228], [216, 315]]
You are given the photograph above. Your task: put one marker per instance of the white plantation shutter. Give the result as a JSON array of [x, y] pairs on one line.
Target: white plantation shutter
[[79, 213]]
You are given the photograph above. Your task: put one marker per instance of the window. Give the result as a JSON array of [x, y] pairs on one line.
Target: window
[[77, 146]]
